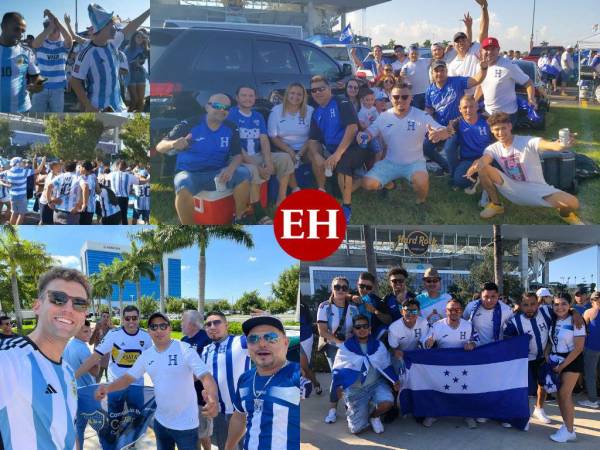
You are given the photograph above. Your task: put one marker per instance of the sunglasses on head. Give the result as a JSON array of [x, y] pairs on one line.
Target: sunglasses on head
[[317, 89], [60, 298], [398, 97], [219, 106], [213, 323], [270, 338], [414, 312], [155, 326], [367, 287], [398, 280], [364, 326], [130, 318], [340, 287], [431, 280]]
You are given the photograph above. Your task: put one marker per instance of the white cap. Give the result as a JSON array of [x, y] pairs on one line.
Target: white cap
[[15, 161], [569, 47], [543, 292]]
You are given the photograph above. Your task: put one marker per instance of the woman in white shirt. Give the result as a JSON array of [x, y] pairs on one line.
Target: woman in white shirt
[[566, 341], [289, 126]]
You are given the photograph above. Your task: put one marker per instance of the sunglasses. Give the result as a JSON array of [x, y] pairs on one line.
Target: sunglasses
[[213, 323], [431, 280], [453, 310], [364, 326], [60, 298], [398, 97], [318, 89], [397, 281], [155, 326], [414, 312], [270, 338], [130, 318], [340, 287], [367, 287], [219, 106]]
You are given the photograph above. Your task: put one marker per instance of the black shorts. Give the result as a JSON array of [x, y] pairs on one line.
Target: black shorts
[[534, 374], [353, 159], [576, 365]]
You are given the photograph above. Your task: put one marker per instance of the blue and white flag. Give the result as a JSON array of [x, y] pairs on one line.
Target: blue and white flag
[[490, 381], [346, 35], [351, 363], [131, 424]]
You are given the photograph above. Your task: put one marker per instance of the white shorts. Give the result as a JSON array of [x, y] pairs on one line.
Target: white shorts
[[306, 346], [525, 193]]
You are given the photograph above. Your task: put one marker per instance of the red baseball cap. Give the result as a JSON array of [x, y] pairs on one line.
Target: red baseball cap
[[490, 42]]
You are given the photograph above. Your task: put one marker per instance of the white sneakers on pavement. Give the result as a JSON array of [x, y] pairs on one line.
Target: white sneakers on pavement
[[589, 404], [540, 414], [331, 416], [376, 425], [563, 435]]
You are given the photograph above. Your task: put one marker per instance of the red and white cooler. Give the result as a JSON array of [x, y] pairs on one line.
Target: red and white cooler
[[214, 207]]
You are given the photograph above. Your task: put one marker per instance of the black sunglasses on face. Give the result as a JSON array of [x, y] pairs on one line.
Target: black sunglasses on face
[[318, 89], [398, 281], [130, 318], [398, 97], [367, 287], [213, 323], [364, 326], [155, 326], [60, 298], [340, 287]]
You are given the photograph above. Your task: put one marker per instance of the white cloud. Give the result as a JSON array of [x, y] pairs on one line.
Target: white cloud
[[268, 283], [67, 261], [252, 259], [184, 267]]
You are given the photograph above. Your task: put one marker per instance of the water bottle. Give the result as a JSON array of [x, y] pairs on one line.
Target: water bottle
[[364, 139]]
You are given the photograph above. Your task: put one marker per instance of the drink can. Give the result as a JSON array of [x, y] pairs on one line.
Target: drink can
[[364, 140], [297, 161], [328, 172], [219, 184], [564, 136]]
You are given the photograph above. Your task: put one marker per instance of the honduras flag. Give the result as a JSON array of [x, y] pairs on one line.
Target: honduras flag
[[490, 381], [351, 363], [346, 35]]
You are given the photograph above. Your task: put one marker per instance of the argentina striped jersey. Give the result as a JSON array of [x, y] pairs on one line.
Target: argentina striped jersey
[[17, 177], [91, 182], [67, 187], [121, 182], [106, 207], [16, 62], [51, 59], [141, 199], [4, 190]]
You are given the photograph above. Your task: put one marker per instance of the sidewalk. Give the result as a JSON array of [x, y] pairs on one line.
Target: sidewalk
[[447, 433]]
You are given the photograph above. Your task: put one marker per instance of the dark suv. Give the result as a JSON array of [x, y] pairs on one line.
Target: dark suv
[[189, 65]]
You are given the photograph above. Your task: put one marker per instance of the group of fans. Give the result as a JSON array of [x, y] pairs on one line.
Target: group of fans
[[403, 321], [236, 391], [72, 192], [99, 65]]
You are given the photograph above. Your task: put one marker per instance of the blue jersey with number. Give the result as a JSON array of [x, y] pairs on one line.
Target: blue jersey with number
[[16, 62], [67, 188], [141, 199], [250, 128], [52, 59], [329, 122]]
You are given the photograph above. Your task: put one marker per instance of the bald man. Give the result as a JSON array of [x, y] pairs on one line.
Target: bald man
[[208, 159]]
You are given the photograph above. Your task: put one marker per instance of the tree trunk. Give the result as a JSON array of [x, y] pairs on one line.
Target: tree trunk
[[138, 293], [370, 250], [162, 286], [17, 302], [121, 301], [201, 280], [498, 278]]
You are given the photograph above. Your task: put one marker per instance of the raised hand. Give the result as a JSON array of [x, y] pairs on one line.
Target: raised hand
[[467, 20]]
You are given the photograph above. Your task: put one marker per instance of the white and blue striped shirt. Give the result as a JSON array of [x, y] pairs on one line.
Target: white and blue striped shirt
[[91, 181], [141, 199], [227, 361], [272, 418], [17, 177], [537, 328], [4, 190], [99, 67], [15, 63], [51, 59], [38, 398], [67, 187], [121, 182], [106, 207]]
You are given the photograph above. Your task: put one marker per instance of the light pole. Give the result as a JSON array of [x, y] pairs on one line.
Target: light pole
[[76, 23], [532, 25]]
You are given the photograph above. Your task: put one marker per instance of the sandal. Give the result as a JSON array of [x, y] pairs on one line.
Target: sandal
[[318, 389]]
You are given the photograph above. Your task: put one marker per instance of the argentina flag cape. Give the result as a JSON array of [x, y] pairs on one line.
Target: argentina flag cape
[[351, 363], [490, 381]]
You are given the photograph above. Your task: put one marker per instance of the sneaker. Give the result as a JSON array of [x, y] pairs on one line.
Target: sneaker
[[471, 422], [563, 435], [526, 427], [296, 189], [347, 213], [322, 190], [376, 425], [572, 219], [506, 425], [428, 421], [331, 416], [481, 420], [540, 414], [491, 210], [589, 404]]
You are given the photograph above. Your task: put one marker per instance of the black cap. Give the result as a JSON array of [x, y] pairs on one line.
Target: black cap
[[262, 320], [438, 63], [158, 314], [458, 36]]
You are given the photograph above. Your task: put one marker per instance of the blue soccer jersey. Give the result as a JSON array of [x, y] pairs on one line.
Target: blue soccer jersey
[[17, 177], [250, 128], [473, 139], [16, 63], [329, 122], [272, 408], [141, 199], [52, 59], [445, 100], [67, 188], [38, 398]]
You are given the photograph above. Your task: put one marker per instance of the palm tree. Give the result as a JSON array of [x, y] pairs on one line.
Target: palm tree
[[138, 265], [102, 286], [21, 258], [181, 236], [118, 274]]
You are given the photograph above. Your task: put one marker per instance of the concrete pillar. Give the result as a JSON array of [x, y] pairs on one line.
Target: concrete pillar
[[546, 273], [524, 262], [312, 18]]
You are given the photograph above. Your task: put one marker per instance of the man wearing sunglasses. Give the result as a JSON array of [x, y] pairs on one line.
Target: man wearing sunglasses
[[209, 152], [38, 393], [409, 332], [172, 365], [19, 71], [267, 399], [433, 300], [370, 305], [227, 359], [397, 278], [5, 327]]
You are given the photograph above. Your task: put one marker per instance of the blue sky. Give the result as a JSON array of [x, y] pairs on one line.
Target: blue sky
[[581, 264], [556, 21], [231, 269], [33, 10]]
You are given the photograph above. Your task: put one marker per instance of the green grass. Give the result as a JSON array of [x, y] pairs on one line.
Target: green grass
[[445, 206]]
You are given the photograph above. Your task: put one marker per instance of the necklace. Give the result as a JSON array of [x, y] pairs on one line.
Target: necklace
[[258, 402]]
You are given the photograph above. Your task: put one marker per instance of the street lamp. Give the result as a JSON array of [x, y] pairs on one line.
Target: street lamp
[[76, 16], [532, 25]]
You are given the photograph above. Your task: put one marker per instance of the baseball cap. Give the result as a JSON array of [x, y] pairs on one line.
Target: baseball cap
[[414, 47], [15, 161], [255, 321], [569, 47], [99, 17], [458, 36], [595, 295], [143, 173], [543, 292], [381, 96], [158, 314], [490, 42], [431, 273], [438, 63]]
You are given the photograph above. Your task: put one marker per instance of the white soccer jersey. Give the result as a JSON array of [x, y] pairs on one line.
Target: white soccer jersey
[[107, 208], [124, 350], [499, 86], [91, 182], [331, 314], [141, 199], [121, 182], [483, 320], [172, 372], [404, 338], [99, 67], [38, 398], [563, 338], [467, 66], [16, 63], [537, 327], [291, 128], [227, 361], [447, 337], [67, 187]]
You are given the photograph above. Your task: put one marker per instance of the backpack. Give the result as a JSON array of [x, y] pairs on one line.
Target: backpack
[[586, 167]]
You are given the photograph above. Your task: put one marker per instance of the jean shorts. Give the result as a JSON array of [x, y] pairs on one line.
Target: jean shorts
[[195, 182], [19, 204], [385, 171], [360, 399]]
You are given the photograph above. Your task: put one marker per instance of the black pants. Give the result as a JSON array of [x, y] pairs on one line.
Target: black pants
[[85, 218], [46, 214], [124, 205], [115, 219]]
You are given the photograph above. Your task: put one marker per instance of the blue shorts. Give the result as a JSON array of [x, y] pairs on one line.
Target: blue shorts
[[19, 204], [195, 182], [359, 401], [385, 171], [143, 213]]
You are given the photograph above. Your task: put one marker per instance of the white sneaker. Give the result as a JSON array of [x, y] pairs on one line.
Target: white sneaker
[[540, 414], [481, 420], [563, 435], [589, 404], [429, 421], [376, 425], [526, 427], [331, 416], [471, 422], [506, 425]]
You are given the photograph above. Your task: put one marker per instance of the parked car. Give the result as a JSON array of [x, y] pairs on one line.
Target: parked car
[[341, 53], [541, 97], [536, 52]]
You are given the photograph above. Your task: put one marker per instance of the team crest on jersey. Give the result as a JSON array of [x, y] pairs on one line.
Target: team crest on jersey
[[20, 60], [96, 420], [76, 68], [142, 343]]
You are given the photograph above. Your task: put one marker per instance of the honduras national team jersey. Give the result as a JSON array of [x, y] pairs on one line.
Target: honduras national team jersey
[[329, 122], [445, 100], [15, 63], [473, 139], [227, 361], [124, 350], [273, 411], [250, 128], [17, 177], [106, 207], [121, 182], [99, 68], [67, 188], [537, 328], [52, 58], [38, 398], [142, 197]]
